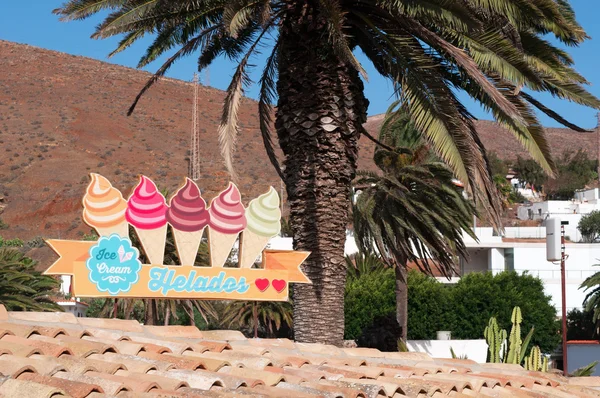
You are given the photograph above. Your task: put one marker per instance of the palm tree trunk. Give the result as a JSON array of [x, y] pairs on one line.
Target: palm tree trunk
[[129, 306], [167, 314], [150, 316], [402, 300], [320, 112], [255, 318], [190, 306]]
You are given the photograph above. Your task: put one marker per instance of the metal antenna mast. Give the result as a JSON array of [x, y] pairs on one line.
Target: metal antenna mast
[[194, 148]]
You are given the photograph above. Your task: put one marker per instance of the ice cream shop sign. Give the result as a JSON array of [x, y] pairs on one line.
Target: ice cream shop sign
[[113, 266]]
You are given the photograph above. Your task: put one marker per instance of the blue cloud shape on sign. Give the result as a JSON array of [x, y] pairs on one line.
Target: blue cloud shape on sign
[[114, 264]]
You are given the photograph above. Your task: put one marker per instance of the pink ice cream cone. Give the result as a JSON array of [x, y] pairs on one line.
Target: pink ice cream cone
[[146, 212], [188, 217], [227, 220]]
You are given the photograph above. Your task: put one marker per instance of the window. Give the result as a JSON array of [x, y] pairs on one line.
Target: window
[[509, 259]]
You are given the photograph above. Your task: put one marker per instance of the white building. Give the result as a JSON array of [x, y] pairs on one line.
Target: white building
[[584, 202], [525, 253], [74, 306]]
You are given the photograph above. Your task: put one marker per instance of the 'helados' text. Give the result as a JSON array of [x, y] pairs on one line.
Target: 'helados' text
[[164, 280]]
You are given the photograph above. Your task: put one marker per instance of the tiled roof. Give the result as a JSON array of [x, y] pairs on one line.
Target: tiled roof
[[56, 354]]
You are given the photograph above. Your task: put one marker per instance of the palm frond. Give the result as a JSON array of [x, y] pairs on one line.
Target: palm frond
[[186, 49], [266, 98], [229, 129]]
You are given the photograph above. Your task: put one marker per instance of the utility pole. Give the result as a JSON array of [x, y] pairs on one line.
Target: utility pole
[[563, 257], [194, 171]]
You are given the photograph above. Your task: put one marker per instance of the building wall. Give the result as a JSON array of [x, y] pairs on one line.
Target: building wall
[[531, 258], [583, 354], [496, 260], [475, 350], [477, 262], [76, 309]]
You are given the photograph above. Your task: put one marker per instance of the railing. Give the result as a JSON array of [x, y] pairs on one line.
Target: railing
[[549, 273]]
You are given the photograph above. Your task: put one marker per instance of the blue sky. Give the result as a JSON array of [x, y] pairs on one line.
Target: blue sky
[[31, 22]]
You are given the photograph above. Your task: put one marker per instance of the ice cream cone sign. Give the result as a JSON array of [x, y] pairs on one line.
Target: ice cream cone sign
[[146, 212], [263, 222], [188, 217], [104, 208], [111, 266], [227, 220]]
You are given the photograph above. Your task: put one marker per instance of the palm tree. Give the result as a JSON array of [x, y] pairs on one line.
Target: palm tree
[[269, 315], [22, 288], [495, 51], [412, 211], [592, 299]]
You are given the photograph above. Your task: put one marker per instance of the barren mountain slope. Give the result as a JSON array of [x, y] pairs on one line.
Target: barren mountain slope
[[62, 117]]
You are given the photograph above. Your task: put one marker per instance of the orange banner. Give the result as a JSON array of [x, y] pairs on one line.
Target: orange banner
[[271, 282]]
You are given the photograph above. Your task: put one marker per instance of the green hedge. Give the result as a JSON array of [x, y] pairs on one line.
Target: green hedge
[[464, 308], [368, 297]]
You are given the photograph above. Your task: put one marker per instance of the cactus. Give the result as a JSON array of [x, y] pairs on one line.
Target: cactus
[[494, 338], [545, 364], [535, 362], [513, 348], [514, 340]]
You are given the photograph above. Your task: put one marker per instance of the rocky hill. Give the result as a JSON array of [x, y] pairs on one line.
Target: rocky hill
[[62, 117], [498, 139]]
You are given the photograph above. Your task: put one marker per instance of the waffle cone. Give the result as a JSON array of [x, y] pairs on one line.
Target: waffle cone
[[220, 247], [251, 246], [153, 242], [121, 229], [187, 244]]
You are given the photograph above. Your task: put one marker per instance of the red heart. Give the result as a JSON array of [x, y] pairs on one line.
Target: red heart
[[279, 285], [262, 284]]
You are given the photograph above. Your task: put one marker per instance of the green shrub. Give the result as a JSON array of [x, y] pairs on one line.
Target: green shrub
[[430, 307], [464, 308], [367, 297], [581, 325], [479, 296], [589, 226], [16, 242]]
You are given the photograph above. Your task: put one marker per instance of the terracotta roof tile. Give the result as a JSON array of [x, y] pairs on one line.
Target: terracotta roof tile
[[113, 324], [82, 348], [39, 366], [104, 380], [18, 350], [17, 329], [175, 331], [165, 383], [111, 357], [122, 346], [223, 335], [26, 388], [172, 361], [44, 348], [128, 362], [43, 317], [80, 365], [170, 346], [74, 388]]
